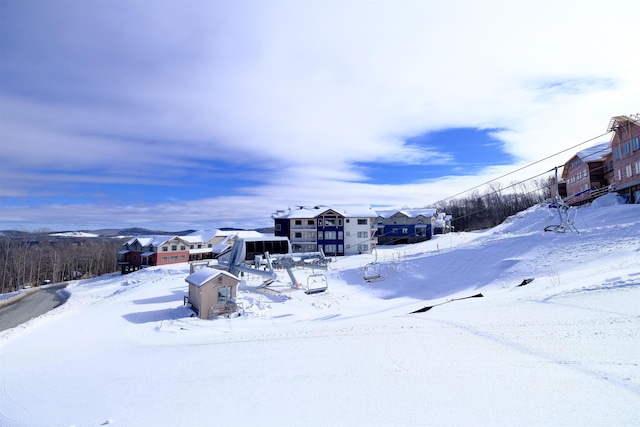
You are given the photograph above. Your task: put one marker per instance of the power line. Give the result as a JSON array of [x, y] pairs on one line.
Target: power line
[[523, 167]]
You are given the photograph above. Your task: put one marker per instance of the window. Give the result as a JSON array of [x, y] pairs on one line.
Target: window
[[298, 222], [420, 231], [635, 143], [183, 247], [340, 249], [182, 258], [278, 227], [165, 249], [330, 235], [348, 233], [174, 258], [297, 235], [330, 249], [191, 246], [174, 247], [330, 222], [310, 235], [210, 245], [363, 234], [405, 231], [310, 222], [362, 221], [626, 148], [618, 156], [619, 175], [164, 259], [340, 235], [199, 246], [320, 235], [629, 171], [224, 294], [637, 167], [363, 248]]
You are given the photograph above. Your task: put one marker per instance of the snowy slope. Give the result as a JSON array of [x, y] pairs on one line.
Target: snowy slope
[[562, 350]]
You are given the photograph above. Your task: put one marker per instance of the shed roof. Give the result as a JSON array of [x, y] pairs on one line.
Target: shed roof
[[202, 276]]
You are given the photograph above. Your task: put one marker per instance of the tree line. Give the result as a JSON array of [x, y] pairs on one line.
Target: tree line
[[33, 258], [479, 211]]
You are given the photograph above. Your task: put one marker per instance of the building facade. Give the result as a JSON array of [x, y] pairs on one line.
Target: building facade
[[146, 251], [212, 292], [584, 173], [336, 230], [624, 165], [405, 226]]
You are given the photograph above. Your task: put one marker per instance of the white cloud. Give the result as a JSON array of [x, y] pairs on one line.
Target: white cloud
[[304, 88]]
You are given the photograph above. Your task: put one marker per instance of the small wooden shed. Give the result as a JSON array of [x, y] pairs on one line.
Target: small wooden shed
[[212, 292]]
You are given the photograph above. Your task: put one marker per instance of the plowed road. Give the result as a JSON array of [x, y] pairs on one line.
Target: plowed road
[[31, 306]]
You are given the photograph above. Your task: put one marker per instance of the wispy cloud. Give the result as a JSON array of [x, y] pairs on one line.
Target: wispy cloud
[[247, 105]]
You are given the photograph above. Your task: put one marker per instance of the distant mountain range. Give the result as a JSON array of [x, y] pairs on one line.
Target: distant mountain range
[[113, 232]]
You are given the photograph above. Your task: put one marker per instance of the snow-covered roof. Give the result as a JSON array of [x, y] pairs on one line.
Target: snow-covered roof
[[155, 240], [201, 236], [202, 276], [347, 211], [595, 153], [200, 250], [410, 213], [240, 233], [270, 238]]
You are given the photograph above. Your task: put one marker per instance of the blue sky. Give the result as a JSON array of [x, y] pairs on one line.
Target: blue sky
[[203, 114]]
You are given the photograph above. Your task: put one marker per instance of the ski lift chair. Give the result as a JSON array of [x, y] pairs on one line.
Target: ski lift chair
[[316, 283]]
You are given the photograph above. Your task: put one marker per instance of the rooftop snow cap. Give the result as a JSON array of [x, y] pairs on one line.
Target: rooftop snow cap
[[347, 211], [202, 276]]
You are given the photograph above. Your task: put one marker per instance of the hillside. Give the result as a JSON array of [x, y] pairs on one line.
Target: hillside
[[562, 350]]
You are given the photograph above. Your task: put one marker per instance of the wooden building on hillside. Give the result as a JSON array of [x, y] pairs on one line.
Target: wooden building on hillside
[[584, 174], [624, 164], [212, 292]]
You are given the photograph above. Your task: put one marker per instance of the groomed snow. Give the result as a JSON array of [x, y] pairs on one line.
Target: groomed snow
[[562, 350]]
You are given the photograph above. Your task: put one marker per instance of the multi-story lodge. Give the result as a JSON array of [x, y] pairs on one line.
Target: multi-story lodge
[[406, 226], [142, 251], [584, 173], [623, 170], [147, 251], [613, 165], [336, 230]]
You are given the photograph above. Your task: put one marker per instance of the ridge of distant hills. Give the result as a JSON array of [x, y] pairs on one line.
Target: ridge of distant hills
[[111, 232]]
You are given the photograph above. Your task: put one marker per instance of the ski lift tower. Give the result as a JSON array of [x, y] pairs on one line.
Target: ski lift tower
[[567, 214]]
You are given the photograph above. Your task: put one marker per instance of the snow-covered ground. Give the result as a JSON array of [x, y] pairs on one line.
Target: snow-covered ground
[[562, 350]]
